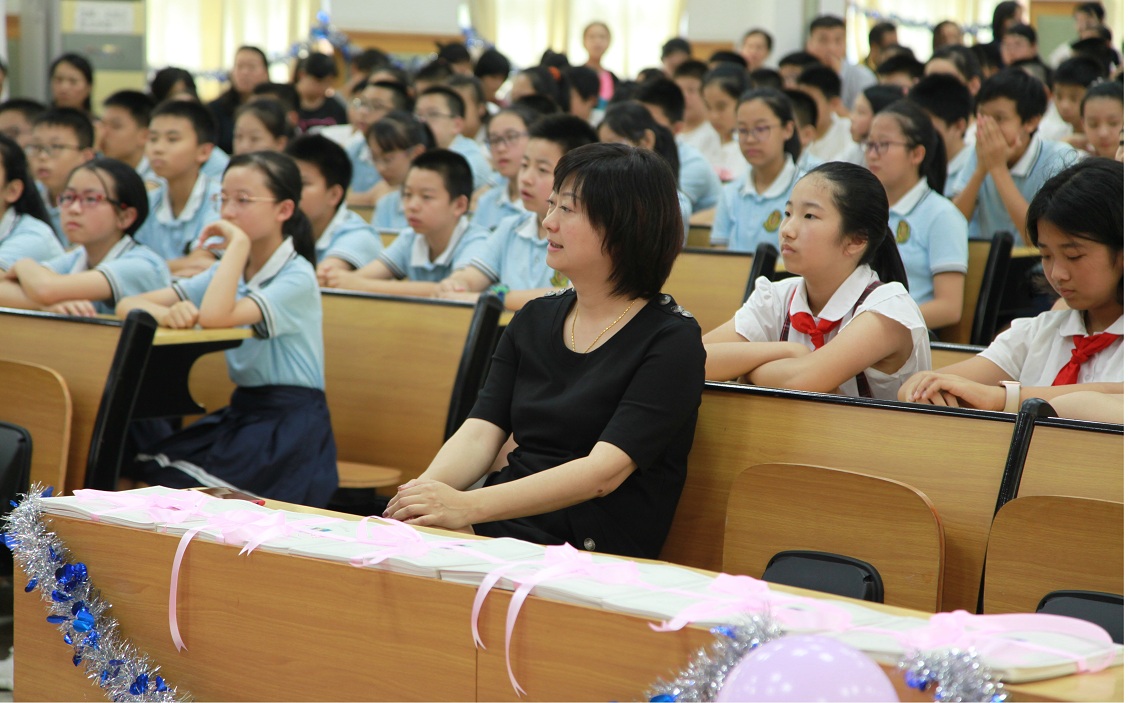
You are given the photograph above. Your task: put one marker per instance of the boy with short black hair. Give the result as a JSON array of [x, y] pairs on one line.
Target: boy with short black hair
[[181, 139], [493, 70], [438, 239], [948, 102], [313, 79], [1071, 79], [698, 132], [343, 240], [832, 132], [443, 110], [826, 41], [511, 263], [1011, 161], [61, 139], [792, 65], [125, 131], [16, 117], [696, 176], [901, 70]]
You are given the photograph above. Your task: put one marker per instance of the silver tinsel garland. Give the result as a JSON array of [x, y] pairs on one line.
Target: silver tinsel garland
[[703, 678], [75, 606], [957, 674]]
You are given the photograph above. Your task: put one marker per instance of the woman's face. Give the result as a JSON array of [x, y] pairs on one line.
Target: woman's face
[[69, 87], [596, 40], [248, 72], [754, 50], [575, 248]]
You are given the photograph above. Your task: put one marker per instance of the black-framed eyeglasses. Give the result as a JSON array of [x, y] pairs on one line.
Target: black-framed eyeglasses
[[508, 139], [879, 148]]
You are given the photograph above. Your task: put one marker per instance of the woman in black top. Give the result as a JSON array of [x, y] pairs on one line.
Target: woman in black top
[[599, 384], [251, 68]]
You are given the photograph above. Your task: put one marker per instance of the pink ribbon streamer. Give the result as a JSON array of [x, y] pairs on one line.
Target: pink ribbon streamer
[[987, 633]]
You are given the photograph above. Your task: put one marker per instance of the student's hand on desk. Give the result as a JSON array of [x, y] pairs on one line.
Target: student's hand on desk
[[335, 278], [991, 146], [327, 266], [956, 391], [450, 285], [180, 316], [77, 308], [431, 504]]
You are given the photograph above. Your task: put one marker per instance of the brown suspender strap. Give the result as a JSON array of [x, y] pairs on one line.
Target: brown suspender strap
[[863, 384]]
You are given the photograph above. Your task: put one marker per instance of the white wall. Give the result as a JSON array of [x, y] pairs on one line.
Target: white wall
[[717, 20], [421, 16]]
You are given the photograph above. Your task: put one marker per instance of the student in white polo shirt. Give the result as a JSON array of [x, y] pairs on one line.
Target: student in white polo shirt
[[907, 155], [1011, 161], [103, 203], [846, 324], [439, 238], [750, 210], [1077, 222]]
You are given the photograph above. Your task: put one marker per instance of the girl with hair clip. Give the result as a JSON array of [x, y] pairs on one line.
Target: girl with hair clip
[[262, 125], [1077, 222], [103, 203], [25, 226], [721, 90], [632, 124], [750, 210], [274, 439], [507, 132], [395, 140], [846, 324], [599, 461], [907, 155]]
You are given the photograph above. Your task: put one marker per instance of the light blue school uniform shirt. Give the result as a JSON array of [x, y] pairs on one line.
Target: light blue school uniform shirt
[[1042, 160], [54, 213], [173, 237], [364, 173], [130, 268], [25, 237], [216, 164], [479, 166], [807, 161], [931, 235], [287, 347], [145, 170], [954, 167], [515, 256], [697, 178], [388, 215], [686, 211], [409, 256], [495, 206], [746, 218], [349, 238]]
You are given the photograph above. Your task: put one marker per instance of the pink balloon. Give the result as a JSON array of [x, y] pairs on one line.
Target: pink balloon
[[806, 668]]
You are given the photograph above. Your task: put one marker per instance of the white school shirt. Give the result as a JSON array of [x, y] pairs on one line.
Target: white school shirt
[[24, 237], [287, 349], [835, 143], [761, 319], [1035, 349], [130, 269], [1053, 127]]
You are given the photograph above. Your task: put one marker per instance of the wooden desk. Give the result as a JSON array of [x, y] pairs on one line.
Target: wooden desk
[[277, 627]]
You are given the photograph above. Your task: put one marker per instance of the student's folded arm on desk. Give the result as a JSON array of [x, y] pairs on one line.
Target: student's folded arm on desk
[[45, 287], [729, 355], [465, 280], [377, 277], [867, 341]]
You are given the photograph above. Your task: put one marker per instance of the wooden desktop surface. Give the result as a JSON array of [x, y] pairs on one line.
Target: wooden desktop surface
[[278, 627]]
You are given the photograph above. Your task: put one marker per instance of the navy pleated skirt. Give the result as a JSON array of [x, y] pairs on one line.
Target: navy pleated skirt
[[273, 441]]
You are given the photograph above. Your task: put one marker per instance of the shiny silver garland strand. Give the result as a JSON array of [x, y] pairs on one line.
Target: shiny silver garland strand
[[79, 611], [703, 678], [957, 674]]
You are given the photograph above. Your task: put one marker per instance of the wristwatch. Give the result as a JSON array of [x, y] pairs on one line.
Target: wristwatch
[[1014, 396]]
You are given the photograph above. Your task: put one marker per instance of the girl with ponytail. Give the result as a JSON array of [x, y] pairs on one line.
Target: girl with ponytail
[[907, 155], [275, 439], [846, 324]]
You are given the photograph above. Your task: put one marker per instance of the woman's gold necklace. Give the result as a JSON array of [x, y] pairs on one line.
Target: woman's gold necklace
[[600, 335]]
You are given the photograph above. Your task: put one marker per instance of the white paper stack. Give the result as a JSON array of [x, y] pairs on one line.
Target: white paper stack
[[1052, 654], [107, 507]]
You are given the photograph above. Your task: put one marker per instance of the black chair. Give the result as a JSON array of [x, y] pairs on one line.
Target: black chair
[[829, 573], [481, 340], [763, 264], [1104, 609], [15, 474], [991, 291]]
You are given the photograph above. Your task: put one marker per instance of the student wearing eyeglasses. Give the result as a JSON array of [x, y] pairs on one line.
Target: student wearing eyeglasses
[[507, 132], [103, 203], [61, 140]]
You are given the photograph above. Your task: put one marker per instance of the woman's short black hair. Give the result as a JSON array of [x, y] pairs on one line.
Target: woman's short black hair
[[82, 64], [630, 196], [126, 188]]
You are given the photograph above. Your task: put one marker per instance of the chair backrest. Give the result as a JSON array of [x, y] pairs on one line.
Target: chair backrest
[[1040, 544], [15, 462], [983, 290], [710, 283], [36, 398], [763, 264], [398, 373], [894, 527], [1104, 609]]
